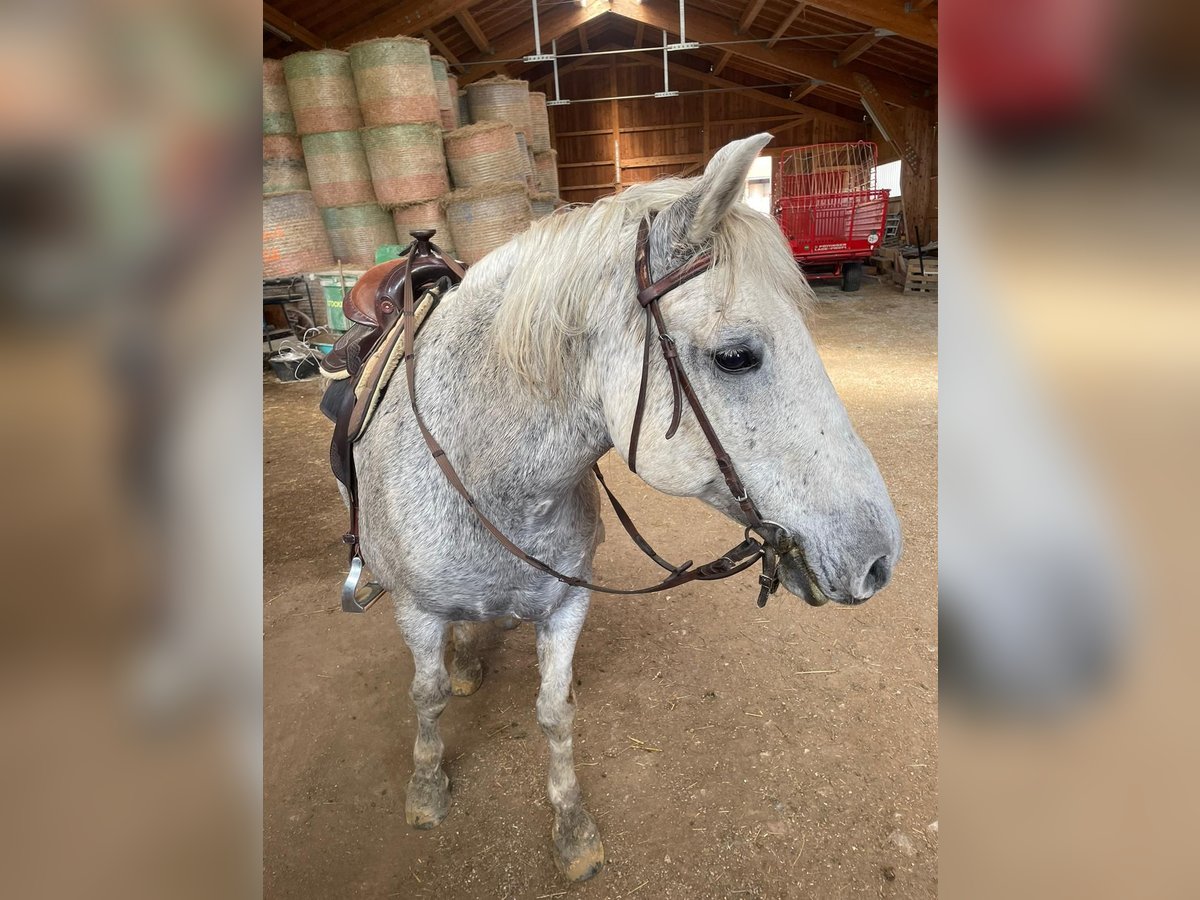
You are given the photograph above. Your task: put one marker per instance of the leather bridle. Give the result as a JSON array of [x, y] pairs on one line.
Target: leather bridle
[[763, 541]]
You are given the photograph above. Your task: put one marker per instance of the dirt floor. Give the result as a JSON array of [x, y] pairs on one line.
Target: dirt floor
[[724, 751]]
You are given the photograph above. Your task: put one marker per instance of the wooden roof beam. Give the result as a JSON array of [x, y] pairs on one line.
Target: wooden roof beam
[[889, 14], [917, 5], [583, 38], [885, 120], [412, 17], [276, 19], [709, 28], [474, 32], [798, 93], [786, 23], [861, 46], [726, 55], [561, 20], [753, 8]]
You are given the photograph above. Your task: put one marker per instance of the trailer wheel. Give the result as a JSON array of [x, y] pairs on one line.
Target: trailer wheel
[[852, 276]]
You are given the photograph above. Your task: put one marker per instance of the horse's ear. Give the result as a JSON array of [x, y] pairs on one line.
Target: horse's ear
[[721, 185]]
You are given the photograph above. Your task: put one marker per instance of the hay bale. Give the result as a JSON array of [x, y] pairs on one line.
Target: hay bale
[[356, 232], [407, 163], [455, 111], [481, 153], [539, 123], [464, 110], [447, 105], [283, 164], [321, 89], [484, 217], [428, 214], [294, 238], [543, 204], [526, 162], [545, 171], [394, 78], [501, 99], [337, 168], [277, 109]]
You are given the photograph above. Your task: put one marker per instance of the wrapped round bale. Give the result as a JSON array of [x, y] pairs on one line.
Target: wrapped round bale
[[455, 104], [526, 161], [407, 163], [545, 171], [394, 79], [294, 238], [464, 110], [480, 153], [283, 164], [277, 109], [356, 232], [484, 217], [542, 204], [428, 214], [500, 99], [321, 89], [337, 168], [447, 102], [539, 123]]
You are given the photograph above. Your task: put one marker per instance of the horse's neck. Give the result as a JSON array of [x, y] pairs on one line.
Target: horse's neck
[[505, 440]]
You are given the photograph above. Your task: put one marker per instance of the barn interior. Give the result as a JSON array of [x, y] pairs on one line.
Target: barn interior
[[725, 749]]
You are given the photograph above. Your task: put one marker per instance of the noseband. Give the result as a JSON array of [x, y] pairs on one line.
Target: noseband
[[763, 541]]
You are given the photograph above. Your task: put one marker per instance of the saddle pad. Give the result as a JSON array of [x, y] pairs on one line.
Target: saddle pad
[[375, 373]]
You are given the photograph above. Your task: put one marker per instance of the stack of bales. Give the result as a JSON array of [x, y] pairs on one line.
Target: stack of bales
[[403, 114], [294, 239], [490, 166], [325, 104]]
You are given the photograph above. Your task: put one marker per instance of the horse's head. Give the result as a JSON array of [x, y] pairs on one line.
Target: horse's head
[[742, 339]]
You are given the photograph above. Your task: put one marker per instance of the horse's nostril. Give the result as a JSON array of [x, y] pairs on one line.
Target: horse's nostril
[[877, 576]]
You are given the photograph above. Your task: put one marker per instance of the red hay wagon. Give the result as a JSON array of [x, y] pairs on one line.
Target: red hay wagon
[[829, 208]]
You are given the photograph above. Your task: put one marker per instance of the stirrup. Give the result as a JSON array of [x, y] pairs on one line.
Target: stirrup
[[352, 601]]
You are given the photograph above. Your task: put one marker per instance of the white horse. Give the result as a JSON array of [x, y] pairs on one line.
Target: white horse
[[528, 373]]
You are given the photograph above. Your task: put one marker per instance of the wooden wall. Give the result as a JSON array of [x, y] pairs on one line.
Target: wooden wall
[[605, 145]]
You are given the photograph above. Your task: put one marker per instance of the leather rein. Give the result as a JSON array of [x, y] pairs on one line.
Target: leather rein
[[763, 541]]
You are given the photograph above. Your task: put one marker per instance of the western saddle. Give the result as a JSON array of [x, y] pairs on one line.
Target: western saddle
[[362, 362]]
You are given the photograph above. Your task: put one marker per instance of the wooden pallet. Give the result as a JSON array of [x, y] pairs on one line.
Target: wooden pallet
[[907, 273]]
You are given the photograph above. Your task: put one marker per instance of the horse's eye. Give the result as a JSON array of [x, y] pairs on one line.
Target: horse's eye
[[737, 359]]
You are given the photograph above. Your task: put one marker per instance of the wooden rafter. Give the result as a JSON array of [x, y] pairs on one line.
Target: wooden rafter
[[861, 46], [474, 32], [797, 8], [641, 33], [298, 32], [412, 17], [753, 8], [710, 28], [726, 55], [560, 20], [917, 5], [885, 120], [889, 14], [583, 38], [803, 91]]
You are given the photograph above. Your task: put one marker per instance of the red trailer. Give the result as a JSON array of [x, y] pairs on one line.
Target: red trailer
[[829, 208]]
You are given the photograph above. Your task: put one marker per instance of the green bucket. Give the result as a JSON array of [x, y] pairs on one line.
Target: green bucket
[[331, 286], [389, 251]]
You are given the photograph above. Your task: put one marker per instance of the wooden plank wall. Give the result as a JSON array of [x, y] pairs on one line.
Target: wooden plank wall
[[652, 138]]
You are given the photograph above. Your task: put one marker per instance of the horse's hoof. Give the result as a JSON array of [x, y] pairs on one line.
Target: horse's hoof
[[579, 852], [465, 681], [428, 800], [508, 623]]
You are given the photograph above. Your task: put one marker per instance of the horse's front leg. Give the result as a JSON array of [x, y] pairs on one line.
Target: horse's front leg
[[429, 789], [579, 852]]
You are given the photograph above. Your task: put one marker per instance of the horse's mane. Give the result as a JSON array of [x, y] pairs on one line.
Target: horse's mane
[[569, 266]]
